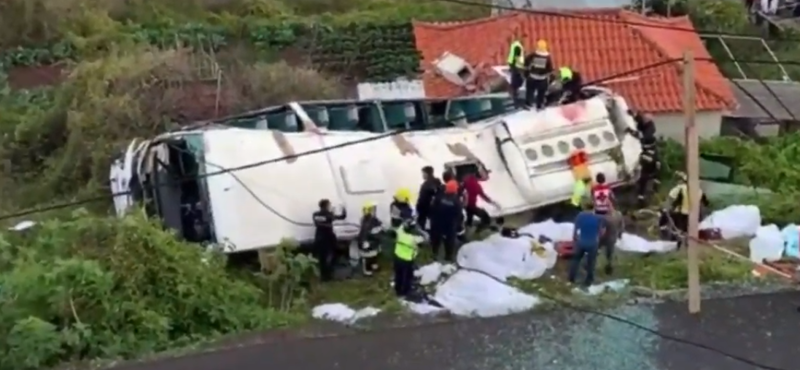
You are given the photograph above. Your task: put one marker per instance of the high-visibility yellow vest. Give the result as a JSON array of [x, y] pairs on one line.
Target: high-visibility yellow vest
[[405, 247], [519, 60], [565, 73], [578, 191]]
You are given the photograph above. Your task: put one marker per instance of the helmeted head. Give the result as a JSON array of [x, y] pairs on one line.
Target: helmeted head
[[541, 45], [369, 208], [600, 178], [681, 176], [403, 195], [324, 204], [451, 187], [565, 73]]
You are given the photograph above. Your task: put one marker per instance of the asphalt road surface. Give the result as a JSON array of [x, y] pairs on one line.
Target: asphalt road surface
[[762, 328]]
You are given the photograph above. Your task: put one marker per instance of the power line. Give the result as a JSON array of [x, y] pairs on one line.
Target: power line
[[390, 134], [634, 324], [575, 15], [321, 150], [276, 160]]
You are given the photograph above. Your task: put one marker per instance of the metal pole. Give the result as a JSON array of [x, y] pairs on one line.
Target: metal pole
[[693, 186]]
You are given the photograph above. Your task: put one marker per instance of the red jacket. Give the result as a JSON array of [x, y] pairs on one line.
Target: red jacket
[[474, 190]]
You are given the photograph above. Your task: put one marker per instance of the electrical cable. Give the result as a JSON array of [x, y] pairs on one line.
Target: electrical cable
[[276, 160], [634, 324], [573, 15], [613, 317], [773, 94], [397, 132]]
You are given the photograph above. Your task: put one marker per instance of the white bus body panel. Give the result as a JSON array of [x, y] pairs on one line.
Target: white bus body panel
[[259, 206]]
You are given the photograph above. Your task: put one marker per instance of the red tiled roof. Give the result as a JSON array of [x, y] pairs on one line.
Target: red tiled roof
[[595, 48]]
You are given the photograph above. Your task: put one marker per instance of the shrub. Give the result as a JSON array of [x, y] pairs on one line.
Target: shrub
[[95, 287], [264, 84]]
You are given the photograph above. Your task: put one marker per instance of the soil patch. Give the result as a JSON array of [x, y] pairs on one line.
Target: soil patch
[[28, 77]]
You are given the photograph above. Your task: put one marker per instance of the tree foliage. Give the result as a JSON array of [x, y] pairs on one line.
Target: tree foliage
[[89, 287], [770, 165]]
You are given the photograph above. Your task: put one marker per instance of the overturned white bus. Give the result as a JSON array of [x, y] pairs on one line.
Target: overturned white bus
[[524, 152]]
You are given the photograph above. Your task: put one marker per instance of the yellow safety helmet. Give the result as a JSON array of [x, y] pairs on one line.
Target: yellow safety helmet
[[541, 45], [369, 207], [403, 195]]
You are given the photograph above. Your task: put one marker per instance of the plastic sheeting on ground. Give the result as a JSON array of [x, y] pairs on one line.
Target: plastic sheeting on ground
[[479, 288], [342, 313], [768, 243], [734, 221]]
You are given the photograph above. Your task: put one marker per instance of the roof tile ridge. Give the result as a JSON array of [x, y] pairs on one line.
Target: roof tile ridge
[[726, 102], [702, 84], [466, 23]]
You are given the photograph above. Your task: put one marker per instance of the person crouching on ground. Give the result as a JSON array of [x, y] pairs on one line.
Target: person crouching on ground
[[589, 228]]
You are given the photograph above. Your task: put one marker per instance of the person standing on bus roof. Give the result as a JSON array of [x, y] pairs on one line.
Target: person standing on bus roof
[[538, 68], [571, 84], [516, 68]]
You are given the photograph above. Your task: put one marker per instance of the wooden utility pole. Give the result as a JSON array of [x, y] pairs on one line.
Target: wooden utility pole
[[693, 186]]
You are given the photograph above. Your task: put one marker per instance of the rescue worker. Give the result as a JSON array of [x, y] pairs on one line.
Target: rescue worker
[[405, 251], [571, 84], [645, 127], [650, 168], [538, 68], [603, 203], [400, 208], [602, 195], [615, 225], [474, 190], [427, 192], [448, 176], [369, 238], [589, 228], [675, 210], [516, 68], [445, 221], [325, 242], [580, 190]]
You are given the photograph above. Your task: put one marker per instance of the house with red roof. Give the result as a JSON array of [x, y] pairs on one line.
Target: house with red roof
[[600, 43]]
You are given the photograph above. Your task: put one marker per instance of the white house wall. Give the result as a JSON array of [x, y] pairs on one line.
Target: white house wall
[[371, 171], [672, 125]]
